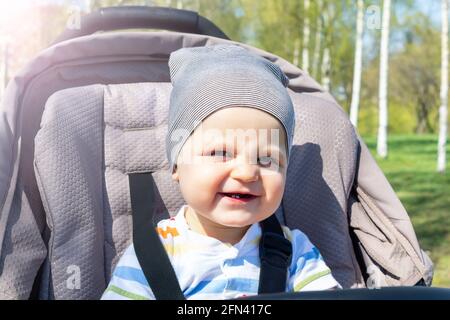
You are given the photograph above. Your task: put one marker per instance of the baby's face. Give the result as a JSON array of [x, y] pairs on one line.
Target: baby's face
[[236, 150]]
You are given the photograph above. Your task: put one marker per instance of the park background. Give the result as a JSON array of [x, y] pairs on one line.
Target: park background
[[319, 36]]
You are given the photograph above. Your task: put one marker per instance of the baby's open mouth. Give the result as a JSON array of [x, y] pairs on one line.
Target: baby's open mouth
[[242, 197], [238, 195]]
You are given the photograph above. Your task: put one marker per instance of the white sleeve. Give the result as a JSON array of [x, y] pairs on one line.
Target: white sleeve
[[128, 281], [308, 271]]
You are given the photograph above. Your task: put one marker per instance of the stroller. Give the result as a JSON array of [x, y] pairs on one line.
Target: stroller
[[92, 109]]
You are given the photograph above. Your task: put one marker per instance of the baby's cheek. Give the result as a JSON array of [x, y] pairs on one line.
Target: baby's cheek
[[274, 188], [200, 184]]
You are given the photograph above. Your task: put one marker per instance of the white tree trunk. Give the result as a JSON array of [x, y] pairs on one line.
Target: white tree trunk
[[296, 52], [179, 4], [3, 68], [382, 148], [305, 52], [326, 69], [443, 109], [318, 42], [354, 107]]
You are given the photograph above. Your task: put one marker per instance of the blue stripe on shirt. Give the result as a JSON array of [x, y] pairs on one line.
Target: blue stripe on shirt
[[130, 273], [207, 286], [314, 254], [243, 285], [239, 261], [218, 286]]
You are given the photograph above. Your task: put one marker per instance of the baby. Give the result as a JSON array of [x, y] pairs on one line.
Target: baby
[[230, 130]]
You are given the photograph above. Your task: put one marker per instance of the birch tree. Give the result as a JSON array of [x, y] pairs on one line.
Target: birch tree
[[296, 54], [326, 69], [354, 107], [326, 59], [318, 40], [382, 149], [443, 109], [305, 51]]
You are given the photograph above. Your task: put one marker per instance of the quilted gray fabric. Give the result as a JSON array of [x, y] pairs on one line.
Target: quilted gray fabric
[[69, 170], [92, 137], [135, 128], [319, 180], [21, 237]]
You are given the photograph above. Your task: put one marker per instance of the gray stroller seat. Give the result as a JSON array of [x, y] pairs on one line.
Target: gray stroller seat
[[93, 109]]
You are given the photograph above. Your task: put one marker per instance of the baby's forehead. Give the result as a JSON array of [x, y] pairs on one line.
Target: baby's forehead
[[240, 125], [235, 137]]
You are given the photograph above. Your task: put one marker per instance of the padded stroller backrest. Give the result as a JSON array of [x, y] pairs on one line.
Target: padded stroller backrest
[[92, 137]]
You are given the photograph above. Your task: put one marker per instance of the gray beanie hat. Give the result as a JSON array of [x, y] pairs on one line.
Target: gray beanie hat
[[206, 79]]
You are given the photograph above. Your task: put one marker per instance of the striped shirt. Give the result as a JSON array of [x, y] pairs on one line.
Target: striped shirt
[[207, 268]]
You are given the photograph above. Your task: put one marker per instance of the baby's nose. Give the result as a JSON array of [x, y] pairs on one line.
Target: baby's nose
[[245, 172]]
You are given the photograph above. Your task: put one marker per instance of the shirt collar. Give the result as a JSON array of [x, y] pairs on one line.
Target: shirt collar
[[250, 238]]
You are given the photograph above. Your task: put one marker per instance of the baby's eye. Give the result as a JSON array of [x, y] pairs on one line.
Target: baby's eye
[[266, 161], [219, 154]]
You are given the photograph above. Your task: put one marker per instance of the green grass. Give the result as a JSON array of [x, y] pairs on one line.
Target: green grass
[[411, 170]]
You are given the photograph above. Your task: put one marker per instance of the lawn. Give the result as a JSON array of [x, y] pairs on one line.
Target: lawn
[[411, 170]]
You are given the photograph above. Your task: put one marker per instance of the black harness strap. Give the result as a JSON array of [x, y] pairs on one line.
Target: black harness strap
[[275, 252], [150, 252]]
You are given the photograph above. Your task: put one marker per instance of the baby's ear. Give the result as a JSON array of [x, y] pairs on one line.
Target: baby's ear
[[175, 174]]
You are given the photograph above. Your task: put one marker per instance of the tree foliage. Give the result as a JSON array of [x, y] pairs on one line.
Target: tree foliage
[[277, 26]]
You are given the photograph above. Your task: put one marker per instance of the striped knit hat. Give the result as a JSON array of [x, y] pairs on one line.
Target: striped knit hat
[[209, 78]]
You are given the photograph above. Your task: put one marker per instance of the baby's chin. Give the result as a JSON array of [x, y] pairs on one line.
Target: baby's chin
[[235, 224], [235, 220]]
